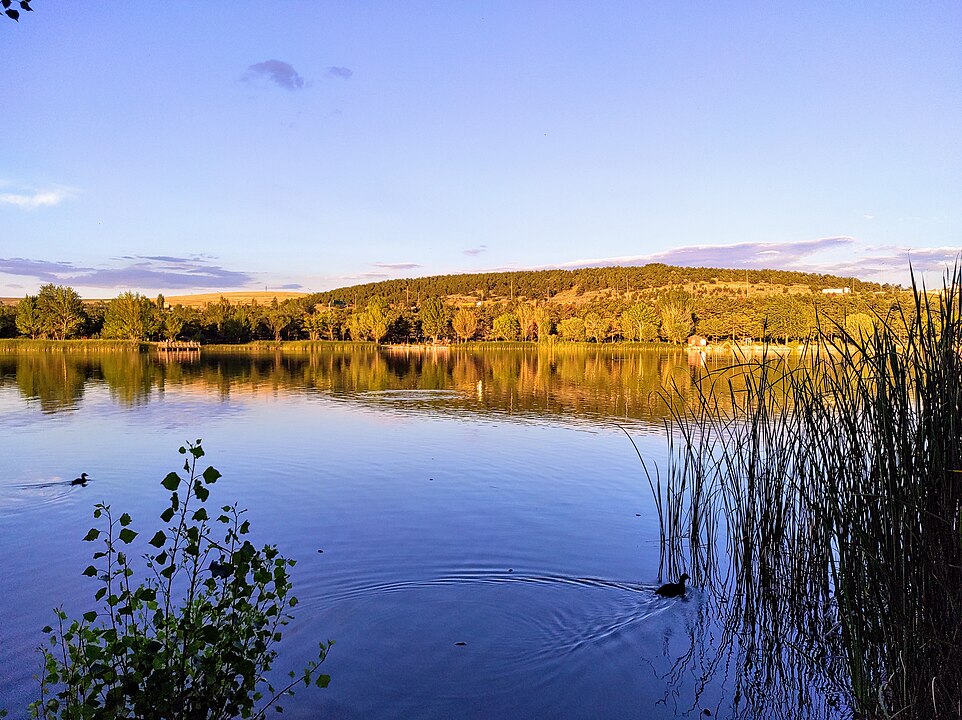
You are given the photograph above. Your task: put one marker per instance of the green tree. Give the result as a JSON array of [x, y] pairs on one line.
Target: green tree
[[572, 328], [28, 320], [8, 321], [129, 316], [279, 317], [542, 322], [377, 319], [465, 323], [505, 327], [316, 324], [357, 326], [596, 326], [859, 325], [173, 322], [525, 315], [639, 322], [61, 311], [787, 317], [676, 321], [434, 318]]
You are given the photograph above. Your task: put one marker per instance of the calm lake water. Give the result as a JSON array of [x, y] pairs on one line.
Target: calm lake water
[[484, 497]]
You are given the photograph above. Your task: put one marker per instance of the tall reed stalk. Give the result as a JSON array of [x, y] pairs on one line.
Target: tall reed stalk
[[822, 500]]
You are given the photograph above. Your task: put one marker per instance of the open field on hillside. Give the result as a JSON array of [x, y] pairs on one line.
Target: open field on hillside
[[242, 297]]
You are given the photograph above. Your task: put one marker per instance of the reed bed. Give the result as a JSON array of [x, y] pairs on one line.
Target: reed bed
[[819, 500], [23, 345]]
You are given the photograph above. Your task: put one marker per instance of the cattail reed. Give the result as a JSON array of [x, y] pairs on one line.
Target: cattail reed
[[821, 498]]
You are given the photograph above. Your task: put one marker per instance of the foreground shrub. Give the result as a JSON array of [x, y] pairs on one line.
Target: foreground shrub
[[195, 639]]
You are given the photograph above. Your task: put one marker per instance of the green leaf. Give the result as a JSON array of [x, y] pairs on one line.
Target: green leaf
[[211, 474], [46, 629], [127, 535], [125, 520], [92, 534], [245, 527], [90, 616], [201, 515], [200, 491], [90, 571], [323, 681], [158, 539], [171, 482], [167, 515]]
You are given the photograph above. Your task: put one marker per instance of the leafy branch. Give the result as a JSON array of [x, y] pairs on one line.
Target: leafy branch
[[197, 638], [12, 12]]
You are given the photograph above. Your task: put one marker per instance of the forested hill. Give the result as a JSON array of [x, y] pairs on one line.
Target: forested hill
[[572, 284]]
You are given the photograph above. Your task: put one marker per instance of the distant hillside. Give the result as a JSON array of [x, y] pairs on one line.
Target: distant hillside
[[586, 284]]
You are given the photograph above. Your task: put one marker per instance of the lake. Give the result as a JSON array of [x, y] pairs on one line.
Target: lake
[[472, 526]]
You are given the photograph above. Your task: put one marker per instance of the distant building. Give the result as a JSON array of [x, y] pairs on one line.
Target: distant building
[[697, 341], [837, 291]]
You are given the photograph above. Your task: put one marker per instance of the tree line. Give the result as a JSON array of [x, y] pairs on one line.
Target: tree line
[[654, 315]]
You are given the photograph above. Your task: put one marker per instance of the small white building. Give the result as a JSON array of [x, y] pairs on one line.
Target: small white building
[[837, 291]]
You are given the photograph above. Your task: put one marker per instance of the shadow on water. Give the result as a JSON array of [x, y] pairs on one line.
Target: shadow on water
[[821, 510]]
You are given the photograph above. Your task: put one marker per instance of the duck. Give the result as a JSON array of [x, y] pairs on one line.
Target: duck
[[82, 480], [673, 589]]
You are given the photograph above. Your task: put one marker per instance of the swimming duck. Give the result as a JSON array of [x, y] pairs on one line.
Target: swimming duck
[[82, 480], [673, 589]]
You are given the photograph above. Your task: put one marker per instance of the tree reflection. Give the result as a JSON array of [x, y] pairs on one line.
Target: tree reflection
[[572, 382]]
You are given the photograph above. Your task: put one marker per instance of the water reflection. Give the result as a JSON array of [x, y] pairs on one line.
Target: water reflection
[[575, 383]]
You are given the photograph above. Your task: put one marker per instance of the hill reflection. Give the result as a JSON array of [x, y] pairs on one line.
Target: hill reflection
[[576, 383]]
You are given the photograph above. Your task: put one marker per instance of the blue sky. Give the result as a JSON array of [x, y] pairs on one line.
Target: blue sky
[[223, 145]]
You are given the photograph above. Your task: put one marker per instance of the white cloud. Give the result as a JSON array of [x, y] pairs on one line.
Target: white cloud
[[35, 199]]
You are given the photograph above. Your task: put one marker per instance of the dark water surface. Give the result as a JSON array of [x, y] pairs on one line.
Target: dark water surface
[[480, 497]]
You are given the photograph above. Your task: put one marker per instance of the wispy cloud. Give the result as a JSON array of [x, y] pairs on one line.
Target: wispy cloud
[[161, 271], [32, 199], [396, 266], [43, 270], [340, 73], [277, 71], [750, 255], [475, 251], [841, 255], [291, 286], [885, 260]]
